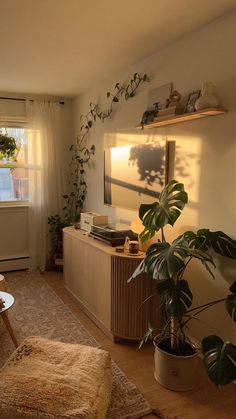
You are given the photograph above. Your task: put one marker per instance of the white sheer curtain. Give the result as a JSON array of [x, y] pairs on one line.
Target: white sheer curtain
[[46, 174]]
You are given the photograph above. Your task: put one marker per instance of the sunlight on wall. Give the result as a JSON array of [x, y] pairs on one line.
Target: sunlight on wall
[[121, 139], [187, 165]]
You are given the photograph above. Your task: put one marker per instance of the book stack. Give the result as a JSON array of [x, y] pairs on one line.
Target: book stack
[[167, 113]]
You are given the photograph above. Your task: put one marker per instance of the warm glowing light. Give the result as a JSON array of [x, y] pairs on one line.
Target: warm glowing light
[[137, 226]]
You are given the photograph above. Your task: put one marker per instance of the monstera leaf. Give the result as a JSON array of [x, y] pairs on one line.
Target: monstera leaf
[[219, 360], [176, 296], [205, 239], [164, 261], [230, 302], [172, 200]]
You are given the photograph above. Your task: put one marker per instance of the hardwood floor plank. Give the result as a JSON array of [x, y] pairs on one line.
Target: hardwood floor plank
[[205, 400]]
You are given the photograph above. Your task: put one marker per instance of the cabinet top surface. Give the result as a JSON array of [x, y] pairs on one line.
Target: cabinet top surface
[[84, 236]]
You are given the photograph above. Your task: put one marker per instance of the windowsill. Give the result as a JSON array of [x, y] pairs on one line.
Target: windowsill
[[13, 204]]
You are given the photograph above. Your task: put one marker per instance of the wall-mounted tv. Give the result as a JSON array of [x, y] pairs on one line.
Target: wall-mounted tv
[[135, 174]]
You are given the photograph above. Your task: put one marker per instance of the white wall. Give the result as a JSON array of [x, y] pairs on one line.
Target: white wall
[[206, 149], [14, 218]]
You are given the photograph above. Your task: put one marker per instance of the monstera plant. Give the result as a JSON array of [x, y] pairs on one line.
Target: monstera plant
[[166, 263]]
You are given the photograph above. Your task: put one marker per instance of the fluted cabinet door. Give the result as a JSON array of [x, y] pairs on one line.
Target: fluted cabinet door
[[97, 277], [130, 315]]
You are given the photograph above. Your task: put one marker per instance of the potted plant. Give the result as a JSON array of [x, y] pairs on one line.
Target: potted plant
[[8, 147], [74, 201], [166, 263]]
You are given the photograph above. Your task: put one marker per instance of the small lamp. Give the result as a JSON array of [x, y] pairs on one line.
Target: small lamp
[[137, 227]]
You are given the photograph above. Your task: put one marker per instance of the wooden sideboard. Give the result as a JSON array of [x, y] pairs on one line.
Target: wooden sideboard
[[96, 276]]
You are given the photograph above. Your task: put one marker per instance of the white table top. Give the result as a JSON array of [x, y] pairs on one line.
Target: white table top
[[9, 301]]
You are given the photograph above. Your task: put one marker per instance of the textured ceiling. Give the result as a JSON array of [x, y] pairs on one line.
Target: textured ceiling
[[60, 47]]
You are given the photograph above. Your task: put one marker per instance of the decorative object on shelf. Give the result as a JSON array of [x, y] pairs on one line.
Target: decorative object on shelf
[[148, 117], [159, 95], [173, 110], [157, 100], [174, 99], [8, 147], [191, 100], [166, 263], [208, 97]]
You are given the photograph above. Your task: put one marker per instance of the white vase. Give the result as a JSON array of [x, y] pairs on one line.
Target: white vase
[[206, 101], [208, 98]]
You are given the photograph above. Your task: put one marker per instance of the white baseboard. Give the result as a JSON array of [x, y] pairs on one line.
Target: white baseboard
[[15, 264]]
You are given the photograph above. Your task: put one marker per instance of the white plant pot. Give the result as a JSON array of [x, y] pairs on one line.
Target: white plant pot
[[207, 101], [174, 372]]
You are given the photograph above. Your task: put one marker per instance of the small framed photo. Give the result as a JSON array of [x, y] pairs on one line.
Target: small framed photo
[[192, 97]]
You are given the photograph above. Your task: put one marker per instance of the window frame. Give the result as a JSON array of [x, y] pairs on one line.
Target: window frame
[[12, 125]]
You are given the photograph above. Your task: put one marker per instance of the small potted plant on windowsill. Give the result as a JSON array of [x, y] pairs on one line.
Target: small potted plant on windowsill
[[175, 355], [8, 147]]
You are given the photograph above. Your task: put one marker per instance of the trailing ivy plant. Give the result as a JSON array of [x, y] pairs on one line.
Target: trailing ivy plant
[[81, 153], [74, 201]]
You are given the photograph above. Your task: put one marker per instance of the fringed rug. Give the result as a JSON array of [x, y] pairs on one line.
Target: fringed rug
[[39, 311]]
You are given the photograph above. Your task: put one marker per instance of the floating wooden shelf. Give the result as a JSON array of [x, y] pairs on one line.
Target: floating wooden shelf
[[185, 117]]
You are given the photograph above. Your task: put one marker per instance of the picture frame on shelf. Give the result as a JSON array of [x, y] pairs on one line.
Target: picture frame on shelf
[[191, 100], [159, 95]]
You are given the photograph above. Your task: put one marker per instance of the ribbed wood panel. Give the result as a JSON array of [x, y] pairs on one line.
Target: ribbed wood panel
[[97, 277], [129, 317]]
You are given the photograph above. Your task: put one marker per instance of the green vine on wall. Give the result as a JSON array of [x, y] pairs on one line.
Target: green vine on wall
[[81, 155]]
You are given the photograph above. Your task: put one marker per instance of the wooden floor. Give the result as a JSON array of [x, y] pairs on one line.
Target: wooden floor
[[204, 401]]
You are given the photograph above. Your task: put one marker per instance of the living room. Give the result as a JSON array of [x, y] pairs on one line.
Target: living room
[[197, 47]]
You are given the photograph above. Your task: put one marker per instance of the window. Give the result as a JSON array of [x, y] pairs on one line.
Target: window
[[14, 175]]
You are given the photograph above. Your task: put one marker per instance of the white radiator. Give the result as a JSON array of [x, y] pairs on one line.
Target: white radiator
[[14, 263]]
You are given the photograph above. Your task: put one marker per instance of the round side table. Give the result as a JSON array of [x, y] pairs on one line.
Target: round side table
[[8, 301]]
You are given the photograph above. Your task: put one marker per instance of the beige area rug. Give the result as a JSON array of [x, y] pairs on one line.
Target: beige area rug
[[39, 311]]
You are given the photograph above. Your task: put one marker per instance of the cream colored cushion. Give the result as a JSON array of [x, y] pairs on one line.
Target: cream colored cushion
[[48, 379]]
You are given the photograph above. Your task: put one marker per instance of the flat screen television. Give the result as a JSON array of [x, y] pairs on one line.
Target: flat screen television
[[135, 174]]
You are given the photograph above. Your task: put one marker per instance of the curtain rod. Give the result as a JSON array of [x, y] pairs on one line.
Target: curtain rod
[[24, 100]]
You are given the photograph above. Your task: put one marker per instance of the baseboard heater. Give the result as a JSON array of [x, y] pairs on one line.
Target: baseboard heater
[[14, 263]]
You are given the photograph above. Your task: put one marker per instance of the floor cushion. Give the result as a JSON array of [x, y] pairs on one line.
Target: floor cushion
[[49, 379]]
